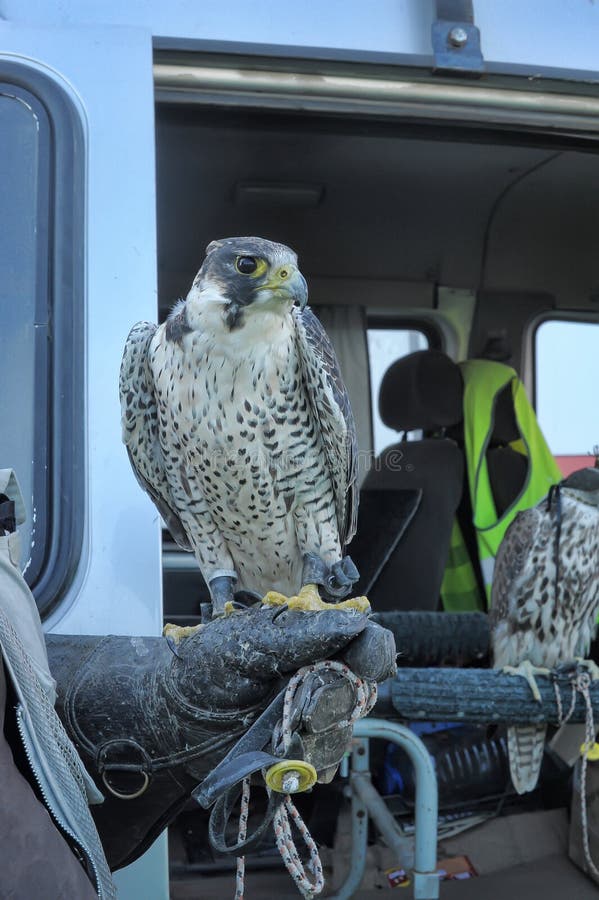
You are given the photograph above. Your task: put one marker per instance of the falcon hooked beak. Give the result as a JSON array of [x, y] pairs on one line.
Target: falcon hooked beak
[[286, 283]]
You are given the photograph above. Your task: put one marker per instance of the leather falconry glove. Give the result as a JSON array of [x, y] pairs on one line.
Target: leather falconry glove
[[152, 721]]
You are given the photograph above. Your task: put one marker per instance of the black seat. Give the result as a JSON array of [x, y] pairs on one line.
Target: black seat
[[422, 391], [507, 468]]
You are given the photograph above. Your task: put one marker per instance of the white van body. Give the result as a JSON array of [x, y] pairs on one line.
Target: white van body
[[109, 61]]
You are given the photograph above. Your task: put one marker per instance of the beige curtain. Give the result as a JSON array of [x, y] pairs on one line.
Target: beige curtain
[[346, 327]]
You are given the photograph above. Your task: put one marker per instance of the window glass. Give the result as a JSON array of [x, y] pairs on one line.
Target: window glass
[[385, 346], [566, 379], [41, 321], [23, 227]]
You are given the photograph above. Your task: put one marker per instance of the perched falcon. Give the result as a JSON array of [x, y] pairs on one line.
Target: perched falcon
[[239, 427], [545, 599]]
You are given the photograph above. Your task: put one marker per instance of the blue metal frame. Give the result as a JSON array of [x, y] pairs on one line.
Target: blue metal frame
[[366, 802]]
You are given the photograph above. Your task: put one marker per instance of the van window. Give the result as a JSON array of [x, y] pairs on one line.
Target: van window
[[385, 346], [24, 210], [41, 338], [566, 379]]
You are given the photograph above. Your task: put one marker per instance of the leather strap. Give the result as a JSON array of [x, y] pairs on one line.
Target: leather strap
[[219, 818], [231, 769]]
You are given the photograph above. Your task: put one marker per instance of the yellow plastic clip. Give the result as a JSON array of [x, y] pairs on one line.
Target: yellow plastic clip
[[591, 750], [291, 776]]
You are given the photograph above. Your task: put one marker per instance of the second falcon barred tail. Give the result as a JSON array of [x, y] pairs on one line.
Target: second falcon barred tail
[[526, 744]]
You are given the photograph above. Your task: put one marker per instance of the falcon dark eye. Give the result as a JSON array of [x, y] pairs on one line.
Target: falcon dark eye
[[247, 265]]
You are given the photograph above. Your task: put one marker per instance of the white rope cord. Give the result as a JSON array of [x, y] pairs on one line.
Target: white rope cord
[[308, 885], [241, 834], [560, 709], [581, 684], [366, 694]]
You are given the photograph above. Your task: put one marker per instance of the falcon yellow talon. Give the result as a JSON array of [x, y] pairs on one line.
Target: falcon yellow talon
[[178, 633], [230, 608], [310, 600], [273, 598], [361, 604]]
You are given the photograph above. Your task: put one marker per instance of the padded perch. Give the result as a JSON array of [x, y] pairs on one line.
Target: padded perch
[[481, 695]]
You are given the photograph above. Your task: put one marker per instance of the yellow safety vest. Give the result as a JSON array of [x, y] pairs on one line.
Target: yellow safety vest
[[483, 381]]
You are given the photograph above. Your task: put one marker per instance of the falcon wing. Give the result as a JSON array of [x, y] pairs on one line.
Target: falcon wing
[[330, 403], [139, 417], [513, 558]]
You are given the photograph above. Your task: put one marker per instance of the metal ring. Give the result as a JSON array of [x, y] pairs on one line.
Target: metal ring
[[334, 589], [122, 796]]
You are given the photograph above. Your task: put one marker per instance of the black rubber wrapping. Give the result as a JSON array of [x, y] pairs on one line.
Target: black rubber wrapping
[[426, 639], [483, 695]]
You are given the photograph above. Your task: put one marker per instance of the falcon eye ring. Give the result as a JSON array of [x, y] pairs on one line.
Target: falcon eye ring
[[246, 265]]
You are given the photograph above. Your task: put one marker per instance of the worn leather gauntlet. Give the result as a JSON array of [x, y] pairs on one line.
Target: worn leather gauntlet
[[152, 722]]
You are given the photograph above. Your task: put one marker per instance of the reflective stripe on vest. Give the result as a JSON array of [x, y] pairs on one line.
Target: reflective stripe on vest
[[483, 382]]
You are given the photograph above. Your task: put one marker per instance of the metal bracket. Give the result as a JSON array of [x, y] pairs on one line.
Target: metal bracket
[[456, 40]]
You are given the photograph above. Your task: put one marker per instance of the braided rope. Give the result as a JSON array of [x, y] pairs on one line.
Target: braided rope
[[366, 694], [309, 885], [562, 719], [241, 834]]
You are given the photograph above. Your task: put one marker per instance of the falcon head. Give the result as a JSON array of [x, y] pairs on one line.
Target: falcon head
[[249, 273]]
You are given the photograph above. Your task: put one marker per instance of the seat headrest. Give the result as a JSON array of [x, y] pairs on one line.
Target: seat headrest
[[423, 390]]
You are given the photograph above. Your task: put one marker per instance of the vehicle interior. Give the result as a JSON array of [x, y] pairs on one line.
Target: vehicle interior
[[439, 237]]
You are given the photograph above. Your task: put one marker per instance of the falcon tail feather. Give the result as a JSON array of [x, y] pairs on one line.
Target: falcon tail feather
[[526, 744]]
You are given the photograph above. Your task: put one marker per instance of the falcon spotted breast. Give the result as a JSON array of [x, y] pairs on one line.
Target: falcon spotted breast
[[239, 427], [545, 599]]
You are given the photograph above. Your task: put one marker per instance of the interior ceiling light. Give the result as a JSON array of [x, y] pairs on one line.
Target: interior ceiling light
[[272, 193]]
